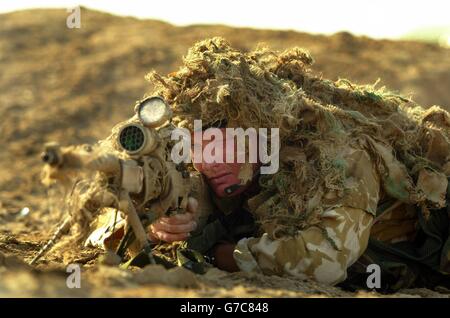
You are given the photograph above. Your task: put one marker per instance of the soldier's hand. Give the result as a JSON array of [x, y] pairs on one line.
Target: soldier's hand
[[177, 227]]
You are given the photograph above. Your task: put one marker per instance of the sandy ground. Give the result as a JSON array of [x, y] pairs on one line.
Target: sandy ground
[[72, 86]]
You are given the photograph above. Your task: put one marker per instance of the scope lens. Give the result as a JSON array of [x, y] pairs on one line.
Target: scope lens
[[153, 112], [131, 138]]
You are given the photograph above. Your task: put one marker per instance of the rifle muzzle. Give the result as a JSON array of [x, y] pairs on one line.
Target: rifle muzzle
[[51, 156]]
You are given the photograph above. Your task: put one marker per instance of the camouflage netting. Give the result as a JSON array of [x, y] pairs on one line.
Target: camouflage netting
[[267, 89]]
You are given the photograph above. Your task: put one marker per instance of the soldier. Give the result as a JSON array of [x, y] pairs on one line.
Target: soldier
[[326, 251], [362, 180]]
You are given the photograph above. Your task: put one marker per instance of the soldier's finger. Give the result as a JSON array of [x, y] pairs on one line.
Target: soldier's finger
[[192, 205], [175, 228], [168, 237], [181, 218], [152, 236]]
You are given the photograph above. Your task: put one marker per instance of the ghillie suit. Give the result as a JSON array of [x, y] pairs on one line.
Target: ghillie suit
[[342, 146]]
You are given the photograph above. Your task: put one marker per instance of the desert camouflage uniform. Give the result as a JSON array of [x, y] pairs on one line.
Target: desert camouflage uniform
[[325, 251], [310, 253]]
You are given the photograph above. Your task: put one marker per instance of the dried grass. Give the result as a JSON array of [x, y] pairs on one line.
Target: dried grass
[[264, 88]]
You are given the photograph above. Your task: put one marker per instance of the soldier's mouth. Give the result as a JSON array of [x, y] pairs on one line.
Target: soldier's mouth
[[225, 184], [220, 176], [224, 179]]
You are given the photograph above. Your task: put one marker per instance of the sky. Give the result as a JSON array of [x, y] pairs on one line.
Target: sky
[[374, 18]]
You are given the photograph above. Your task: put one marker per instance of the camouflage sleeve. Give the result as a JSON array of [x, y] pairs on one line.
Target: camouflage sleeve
[[322, 253]]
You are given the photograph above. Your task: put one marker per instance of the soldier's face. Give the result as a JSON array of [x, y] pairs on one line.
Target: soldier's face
[[221, 170]]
